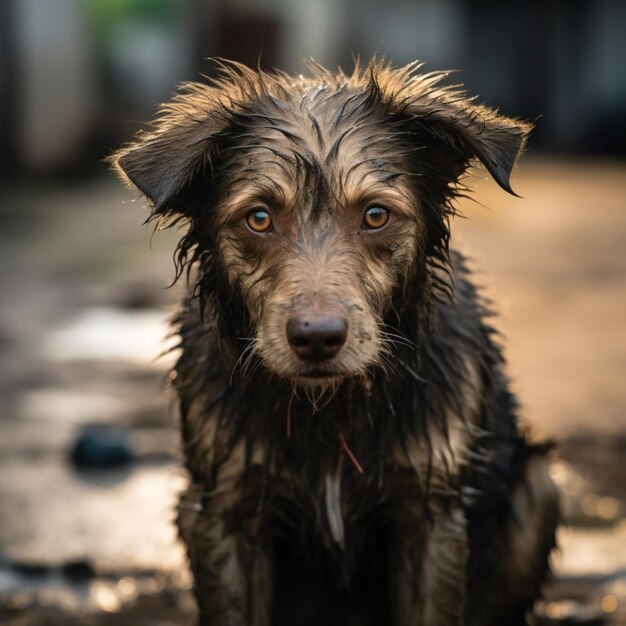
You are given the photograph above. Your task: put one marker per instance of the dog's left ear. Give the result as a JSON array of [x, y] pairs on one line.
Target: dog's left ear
[[449, 122], [461, 132]]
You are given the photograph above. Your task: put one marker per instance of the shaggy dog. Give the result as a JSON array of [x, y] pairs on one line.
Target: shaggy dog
[[352, 444]]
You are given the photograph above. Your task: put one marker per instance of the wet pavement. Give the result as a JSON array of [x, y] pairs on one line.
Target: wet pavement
[[83, 315]]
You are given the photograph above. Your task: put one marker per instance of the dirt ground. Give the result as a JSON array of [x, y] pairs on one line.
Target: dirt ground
[[82, 316]]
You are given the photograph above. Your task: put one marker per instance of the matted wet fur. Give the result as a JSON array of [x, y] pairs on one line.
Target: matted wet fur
[[352, 443]]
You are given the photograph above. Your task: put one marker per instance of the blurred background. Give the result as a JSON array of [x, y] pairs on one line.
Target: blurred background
[[88, 440]]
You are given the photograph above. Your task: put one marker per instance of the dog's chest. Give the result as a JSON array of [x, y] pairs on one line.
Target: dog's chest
[[336, 492]]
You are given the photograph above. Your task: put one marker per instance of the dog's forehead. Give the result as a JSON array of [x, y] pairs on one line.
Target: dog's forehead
[[321, 135]]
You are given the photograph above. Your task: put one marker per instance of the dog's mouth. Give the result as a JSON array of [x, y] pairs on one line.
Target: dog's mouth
[[319, 373]]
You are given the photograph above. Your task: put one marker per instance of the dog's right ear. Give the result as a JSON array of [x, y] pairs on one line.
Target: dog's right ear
[[162, 164]]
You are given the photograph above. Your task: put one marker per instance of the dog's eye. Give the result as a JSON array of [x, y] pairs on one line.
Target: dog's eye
[[375, 217], [259, 221]]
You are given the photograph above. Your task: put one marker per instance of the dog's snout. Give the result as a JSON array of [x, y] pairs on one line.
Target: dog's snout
[[317, 338]]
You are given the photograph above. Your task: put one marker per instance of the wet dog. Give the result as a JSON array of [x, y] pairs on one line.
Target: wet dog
[[352, 444]]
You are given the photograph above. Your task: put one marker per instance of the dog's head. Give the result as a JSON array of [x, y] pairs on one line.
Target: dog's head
[[317, 206]]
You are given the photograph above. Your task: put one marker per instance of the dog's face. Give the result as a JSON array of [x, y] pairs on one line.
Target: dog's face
[[317, 200], [316, 224]]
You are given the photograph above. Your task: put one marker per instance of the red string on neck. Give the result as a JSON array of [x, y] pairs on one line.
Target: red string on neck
[[350, 454]]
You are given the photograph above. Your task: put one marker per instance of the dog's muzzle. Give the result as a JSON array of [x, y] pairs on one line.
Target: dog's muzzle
[[317, 337]]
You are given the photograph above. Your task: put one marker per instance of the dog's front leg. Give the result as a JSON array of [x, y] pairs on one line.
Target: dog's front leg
[[427, 567], [228, 557]]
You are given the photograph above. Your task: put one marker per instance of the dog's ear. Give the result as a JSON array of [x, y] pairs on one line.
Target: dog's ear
[[163, 163], [448, 121], [462, 132]]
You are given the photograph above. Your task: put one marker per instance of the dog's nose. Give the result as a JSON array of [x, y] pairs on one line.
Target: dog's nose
[[317, 338]]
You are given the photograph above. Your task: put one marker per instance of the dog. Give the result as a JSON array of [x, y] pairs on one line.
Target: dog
[[351, 440]]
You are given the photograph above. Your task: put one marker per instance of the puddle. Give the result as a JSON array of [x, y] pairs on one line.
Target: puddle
[[109, 334], [591, 551], [51, 598], [117, 520], [69, 406]]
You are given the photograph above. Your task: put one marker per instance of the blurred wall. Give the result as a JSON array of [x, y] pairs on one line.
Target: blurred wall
[[76, 75]]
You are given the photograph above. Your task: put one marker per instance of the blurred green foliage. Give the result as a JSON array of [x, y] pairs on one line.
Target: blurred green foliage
[[106, 13]]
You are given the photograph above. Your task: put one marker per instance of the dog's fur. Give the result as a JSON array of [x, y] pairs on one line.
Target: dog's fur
[[389, 484]]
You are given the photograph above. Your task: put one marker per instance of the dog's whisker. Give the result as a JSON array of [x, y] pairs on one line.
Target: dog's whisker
[[411, 371], [397, 341], [396, 333], [250, 365], [256, 363], [247, 352]]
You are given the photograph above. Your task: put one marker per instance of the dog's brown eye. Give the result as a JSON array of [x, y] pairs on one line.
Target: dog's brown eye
[[259, 221], [375, 217]]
